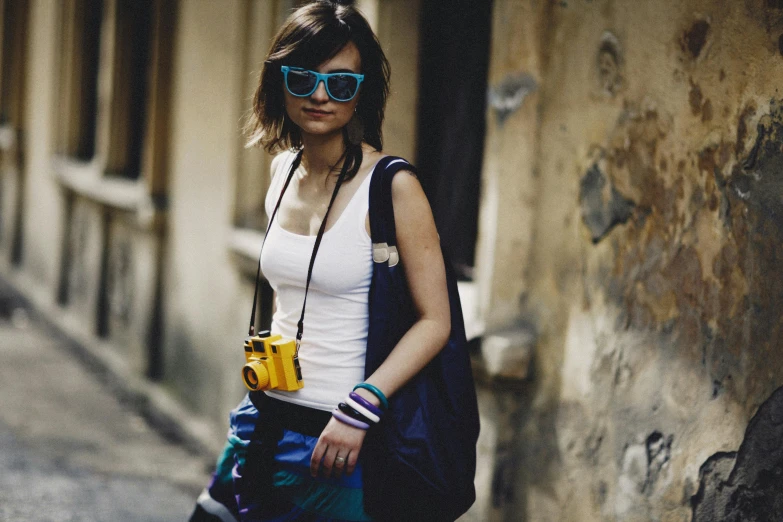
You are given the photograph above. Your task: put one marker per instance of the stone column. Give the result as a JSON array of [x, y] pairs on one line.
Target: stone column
[[509, 176]]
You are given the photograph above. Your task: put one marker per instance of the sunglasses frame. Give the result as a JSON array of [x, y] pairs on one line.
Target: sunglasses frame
[[321, 77]]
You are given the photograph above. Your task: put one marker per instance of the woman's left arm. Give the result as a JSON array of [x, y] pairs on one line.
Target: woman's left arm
[[419, 249]]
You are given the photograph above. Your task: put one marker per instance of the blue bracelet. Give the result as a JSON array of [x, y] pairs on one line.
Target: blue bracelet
[[375, 391]]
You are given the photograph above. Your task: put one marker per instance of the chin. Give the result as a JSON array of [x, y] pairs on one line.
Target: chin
[[319, 129]]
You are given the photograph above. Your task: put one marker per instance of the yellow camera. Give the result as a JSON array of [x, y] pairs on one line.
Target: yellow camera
[[272, 363]]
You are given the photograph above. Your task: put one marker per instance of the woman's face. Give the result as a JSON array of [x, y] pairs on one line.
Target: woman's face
[[318, 114]]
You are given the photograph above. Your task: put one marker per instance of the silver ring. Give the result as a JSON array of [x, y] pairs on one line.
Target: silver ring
[[339, 460]]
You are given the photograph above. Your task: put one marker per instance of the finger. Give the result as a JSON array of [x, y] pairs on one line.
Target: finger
[[350, 462], [339, 465], [328, 461], [318, 455]]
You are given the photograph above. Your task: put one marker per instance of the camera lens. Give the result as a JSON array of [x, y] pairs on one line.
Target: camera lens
[[255, 376], [251, 377]]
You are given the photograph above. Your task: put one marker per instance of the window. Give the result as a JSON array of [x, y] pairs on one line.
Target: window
[[110, 51], [14, 20], [112, 139], [132, 24], [13, 25], [78, 101], [262, 20]]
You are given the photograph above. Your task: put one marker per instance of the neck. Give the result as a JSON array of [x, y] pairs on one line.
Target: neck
[[321, 154]]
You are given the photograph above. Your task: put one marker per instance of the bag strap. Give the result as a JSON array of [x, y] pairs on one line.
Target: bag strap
[[377, 228], [318, 238], [382, 227]]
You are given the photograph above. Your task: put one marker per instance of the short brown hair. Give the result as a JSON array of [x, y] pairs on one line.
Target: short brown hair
[[311, 35]]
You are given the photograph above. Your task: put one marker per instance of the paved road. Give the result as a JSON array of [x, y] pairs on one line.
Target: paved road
[[70, 450]]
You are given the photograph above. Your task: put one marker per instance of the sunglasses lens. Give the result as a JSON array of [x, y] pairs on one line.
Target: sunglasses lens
[[300, 83], [343, 87]]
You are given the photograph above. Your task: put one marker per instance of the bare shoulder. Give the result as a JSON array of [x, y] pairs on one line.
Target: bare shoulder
[[405, 182], [406, 187], [417, 234]]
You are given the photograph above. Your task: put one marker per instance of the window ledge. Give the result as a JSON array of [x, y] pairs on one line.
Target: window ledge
[[7, 137], [245, 245], [87, 180], [468, 296]]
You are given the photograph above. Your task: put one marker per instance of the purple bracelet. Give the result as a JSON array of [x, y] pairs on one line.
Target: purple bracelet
[[367, 404], [345, 419]]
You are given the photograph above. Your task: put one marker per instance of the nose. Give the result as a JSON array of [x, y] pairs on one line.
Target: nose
[[320, 94]]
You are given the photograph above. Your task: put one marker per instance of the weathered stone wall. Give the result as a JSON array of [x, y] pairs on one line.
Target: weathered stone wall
[[654, 274]]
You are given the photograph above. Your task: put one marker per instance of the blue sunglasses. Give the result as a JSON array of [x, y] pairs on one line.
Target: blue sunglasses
[[340, 86]]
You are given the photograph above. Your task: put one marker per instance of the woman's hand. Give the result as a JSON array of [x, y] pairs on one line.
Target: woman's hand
[[337, 449]]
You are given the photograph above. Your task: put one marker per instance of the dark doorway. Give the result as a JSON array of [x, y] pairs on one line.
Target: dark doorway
[[454, 62]]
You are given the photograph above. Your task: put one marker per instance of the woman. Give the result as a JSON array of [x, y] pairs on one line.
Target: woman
[[320, 105]]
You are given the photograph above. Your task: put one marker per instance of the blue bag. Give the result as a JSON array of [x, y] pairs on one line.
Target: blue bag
[[420, 461]]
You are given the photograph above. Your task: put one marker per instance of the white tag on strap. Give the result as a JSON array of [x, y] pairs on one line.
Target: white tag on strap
[[380, 252], [394, 257]]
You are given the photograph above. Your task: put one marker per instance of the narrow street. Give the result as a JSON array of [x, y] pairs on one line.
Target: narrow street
[[69, 449]]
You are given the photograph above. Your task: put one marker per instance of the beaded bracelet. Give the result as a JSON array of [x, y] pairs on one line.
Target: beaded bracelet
[[375, 391], [345, 419], [364, 412], [367, 404]]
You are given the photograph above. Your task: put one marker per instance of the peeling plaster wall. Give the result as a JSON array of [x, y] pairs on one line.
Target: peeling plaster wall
[[654, 270]]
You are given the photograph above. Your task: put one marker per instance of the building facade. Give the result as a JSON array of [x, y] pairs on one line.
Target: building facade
[[604, 173]]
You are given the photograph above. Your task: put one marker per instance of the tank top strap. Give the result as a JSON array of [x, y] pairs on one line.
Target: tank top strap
[[356, 210], [361, 200]]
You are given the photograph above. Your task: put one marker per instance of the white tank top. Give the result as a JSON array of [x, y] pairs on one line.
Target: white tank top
[[336, 320]]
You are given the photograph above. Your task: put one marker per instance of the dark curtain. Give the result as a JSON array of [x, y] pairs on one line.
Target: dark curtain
[[454, 60]]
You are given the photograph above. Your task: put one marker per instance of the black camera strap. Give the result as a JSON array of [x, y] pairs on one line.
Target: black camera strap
[[321, 230]]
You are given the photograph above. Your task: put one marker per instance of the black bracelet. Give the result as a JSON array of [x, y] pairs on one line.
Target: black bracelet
[[352, 413]]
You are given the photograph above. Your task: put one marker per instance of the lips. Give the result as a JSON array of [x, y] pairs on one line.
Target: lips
[[316, 112]]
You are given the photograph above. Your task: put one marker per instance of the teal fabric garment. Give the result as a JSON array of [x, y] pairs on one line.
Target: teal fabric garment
[[339, 499], [297, 495], [308, 498]]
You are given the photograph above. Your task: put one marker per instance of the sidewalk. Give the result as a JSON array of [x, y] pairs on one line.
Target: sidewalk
[[69, 449]]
